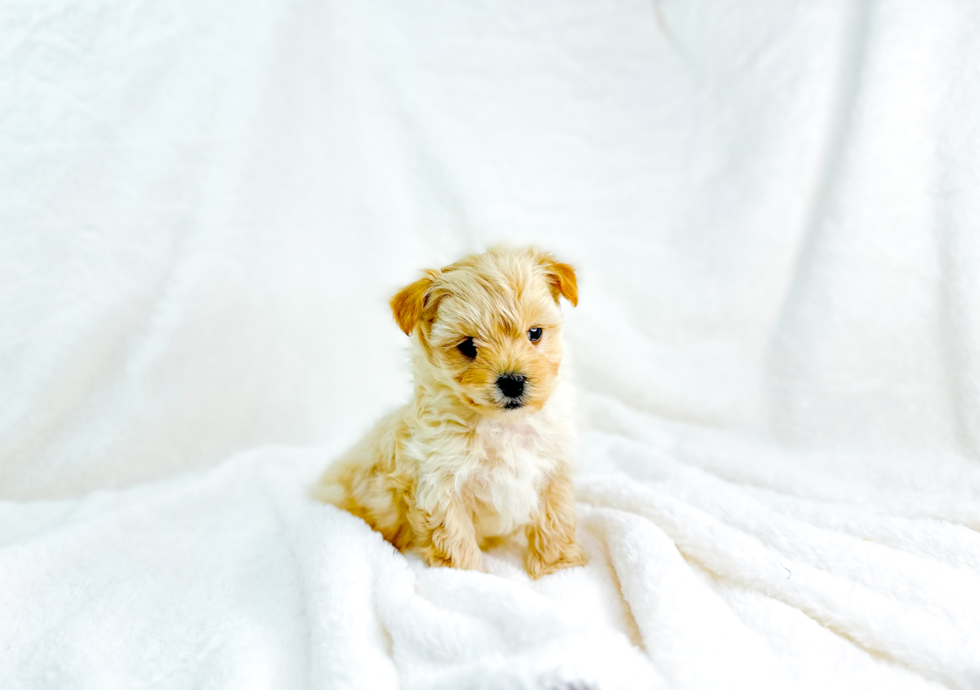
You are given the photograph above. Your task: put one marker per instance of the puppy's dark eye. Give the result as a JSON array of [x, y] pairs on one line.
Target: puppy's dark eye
[[534, 335], [467, 348]]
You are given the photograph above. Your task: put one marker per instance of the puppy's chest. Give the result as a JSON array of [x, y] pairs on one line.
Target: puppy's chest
[[508, 469]]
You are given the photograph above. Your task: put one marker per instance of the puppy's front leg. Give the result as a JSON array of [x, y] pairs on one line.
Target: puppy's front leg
[[551, 541], [447, 538]]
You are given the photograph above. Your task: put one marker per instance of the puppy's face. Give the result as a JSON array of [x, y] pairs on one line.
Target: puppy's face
[[490, 327]]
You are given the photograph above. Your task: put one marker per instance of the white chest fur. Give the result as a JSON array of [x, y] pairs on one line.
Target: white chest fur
[[512, 464], [504, 466]]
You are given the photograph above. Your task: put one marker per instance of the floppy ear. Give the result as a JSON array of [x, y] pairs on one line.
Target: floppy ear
[[408, 304], [561, 278]]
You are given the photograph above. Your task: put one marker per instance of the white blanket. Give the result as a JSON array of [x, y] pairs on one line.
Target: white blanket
[[774, 210]]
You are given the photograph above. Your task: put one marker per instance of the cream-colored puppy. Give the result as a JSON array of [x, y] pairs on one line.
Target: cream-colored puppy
[[484, 446]]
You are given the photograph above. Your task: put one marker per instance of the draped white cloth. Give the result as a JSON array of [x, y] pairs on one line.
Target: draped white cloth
[[774, 208]]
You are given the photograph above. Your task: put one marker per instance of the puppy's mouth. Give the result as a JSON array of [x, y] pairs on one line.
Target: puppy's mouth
[[513, 404]]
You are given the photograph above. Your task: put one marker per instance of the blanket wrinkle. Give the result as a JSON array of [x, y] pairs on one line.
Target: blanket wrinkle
[[594, 529], [947, 542], [305, 588], [839, 129], [843, 604], [902, 576], [711, 493]]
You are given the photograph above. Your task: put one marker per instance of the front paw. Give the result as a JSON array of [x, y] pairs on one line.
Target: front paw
[[462, 558], [442, 562], [539, 565]]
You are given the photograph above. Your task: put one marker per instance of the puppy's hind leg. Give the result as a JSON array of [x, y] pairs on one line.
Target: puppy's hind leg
[[332, 486], [327, 491], [367, 493]]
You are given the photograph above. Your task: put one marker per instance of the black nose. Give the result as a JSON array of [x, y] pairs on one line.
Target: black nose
[[511, 385]]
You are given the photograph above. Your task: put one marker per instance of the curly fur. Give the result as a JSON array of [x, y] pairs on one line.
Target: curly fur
[[456, 469]]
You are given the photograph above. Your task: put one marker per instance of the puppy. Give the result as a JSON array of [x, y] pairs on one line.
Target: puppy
[[484, 447]]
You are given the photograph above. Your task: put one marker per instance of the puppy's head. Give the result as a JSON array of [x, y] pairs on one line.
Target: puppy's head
[[490, 327]]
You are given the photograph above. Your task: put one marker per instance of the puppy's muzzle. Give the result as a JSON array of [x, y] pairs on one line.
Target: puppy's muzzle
[[512, 386]]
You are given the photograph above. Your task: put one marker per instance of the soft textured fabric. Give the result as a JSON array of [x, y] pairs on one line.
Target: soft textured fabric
[[774, 208]]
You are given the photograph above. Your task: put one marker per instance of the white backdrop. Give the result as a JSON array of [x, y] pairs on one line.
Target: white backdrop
[[773, 207]]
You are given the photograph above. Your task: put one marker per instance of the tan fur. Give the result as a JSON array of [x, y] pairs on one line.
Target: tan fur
[[454, 470]]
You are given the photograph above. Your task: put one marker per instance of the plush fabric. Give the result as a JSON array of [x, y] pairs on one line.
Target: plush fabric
[[773, 208]]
